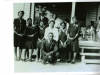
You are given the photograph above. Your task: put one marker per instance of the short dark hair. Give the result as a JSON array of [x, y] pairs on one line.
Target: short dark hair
[[55, 14], [22, 12], [63, 23], [67, 20], [29, 19], [99, 17], [74, 17], [52, 21], [50, 33]]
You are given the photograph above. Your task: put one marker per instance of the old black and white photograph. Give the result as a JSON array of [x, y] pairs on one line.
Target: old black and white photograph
[[56, 37]]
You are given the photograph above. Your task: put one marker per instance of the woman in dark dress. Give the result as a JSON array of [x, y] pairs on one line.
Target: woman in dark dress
[[31, 37], [41, 31], [73, 34], [19, 38], [63, 41]]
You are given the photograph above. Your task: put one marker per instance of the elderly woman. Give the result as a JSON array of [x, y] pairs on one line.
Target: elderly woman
[[19, 31], [73, 34]]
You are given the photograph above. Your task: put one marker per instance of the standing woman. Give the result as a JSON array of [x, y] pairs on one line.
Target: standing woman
[[63, 41], [73, 35], [19, 31], [98, 29], [41, 32], [31, 34]]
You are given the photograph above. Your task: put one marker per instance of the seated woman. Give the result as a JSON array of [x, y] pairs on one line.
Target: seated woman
[[41, 31], [31, 39], [49, 49], [63, 41]]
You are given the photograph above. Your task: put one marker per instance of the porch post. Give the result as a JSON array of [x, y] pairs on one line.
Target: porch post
[[33, 11], [73, 10], [98, 12]]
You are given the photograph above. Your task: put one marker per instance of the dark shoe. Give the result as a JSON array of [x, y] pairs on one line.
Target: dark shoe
[[30, 60], [24, 60], [68, 61], [73, 62]]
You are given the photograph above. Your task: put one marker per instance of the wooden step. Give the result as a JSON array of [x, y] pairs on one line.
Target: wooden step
[[91, 61], [97, 48], [90, 54]]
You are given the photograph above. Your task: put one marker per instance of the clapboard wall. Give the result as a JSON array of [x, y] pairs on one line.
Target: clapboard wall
[[21, 6], [92, 11]]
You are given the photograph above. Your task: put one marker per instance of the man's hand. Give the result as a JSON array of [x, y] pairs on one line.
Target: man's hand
[[51, 52], [47, 54]]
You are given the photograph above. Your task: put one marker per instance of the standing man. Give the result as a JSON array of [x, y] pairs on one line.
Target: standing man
[[42, 18], [57, 20], [49, 49]]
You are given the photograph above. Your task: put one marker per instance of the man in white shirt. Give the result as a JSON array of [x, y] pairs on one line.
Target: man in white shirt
[[52, 29]]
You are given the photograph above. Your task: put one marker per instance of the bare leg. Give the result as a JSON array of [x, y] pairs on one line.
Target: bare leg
[[37, 55], [24, 52], [15, 52], [19, 56], [40, 56], [69, 56], [30, 54], [74, 56]]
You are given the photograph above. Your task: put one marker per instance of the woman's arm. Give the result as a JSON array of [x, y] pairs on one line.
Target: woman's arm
[[77, 33]]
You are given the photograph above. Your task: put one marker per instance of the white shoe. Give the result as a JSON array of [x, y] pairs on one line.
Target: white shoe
[[40, 60], [58, 60]]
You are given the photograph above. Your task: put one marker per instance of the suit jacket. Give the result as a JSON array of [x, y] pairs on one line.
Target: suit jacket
[[45, 21], [48, 47]]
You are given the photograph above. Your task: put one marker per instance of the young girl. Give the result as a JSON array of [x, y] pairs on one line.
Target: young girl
[[31, 34], [63, 41], [40, 39], [19, 31]]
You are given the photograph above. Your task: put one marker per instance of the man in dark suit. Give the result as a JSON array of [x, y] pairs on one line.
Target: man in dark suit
[[49, 49], [42, 18]]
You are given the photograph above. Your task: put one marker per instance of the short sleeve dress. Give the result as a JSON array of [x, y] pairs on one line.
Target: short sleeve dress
[[31, 41], [19, 27], [72, 31], [63, 38], [41, 31]]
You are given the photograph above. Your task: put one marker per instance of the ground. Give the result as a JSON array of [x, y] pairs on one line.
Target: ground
[[20, 66]]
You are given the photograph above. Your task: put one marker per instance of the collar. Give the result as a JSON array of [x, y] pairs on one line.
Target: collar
[[63, 29], [49, 41]]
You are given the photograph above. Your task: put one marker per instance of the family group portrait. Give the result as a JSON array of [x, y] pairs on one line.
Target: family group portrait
[[56, 37]]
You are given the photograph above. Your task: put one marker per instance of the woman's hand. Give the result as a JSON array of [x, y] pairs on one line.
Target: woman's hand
[[30, 35], [71, 38], [61, 42], [20, 35]]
